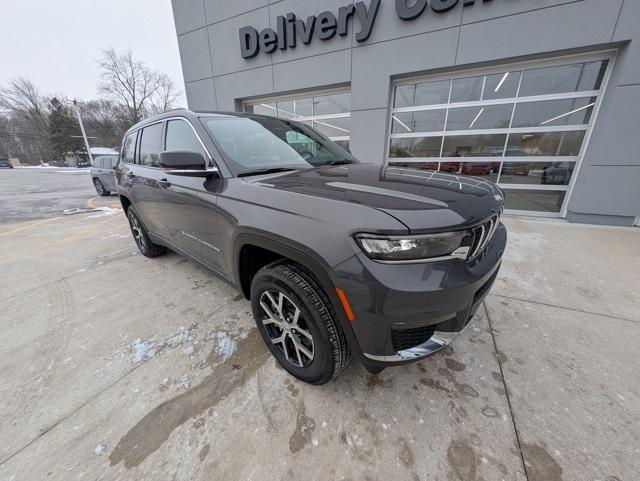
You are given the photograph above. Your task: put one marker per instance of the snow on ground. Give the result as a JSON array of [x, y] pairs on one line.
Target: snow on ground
[[226, 345], [103, 212]]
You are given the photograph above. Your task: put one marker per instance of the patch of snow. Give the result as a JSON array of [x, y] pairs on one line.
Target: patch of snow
[[181, 384], [142, 350], [103, 212], [75, 210], [185, 335], [226, 345], [100, 450], [189, 350]]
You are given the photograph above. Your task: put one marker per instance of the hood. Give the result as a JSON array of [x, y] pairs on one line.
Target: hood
[[421, 200]]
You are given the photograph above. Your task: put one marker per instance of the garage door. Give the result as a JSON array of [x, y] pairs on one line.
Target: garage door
[[523, 126]]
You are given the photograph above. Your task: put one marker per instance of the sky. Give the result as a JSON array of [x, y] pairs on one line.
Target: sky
[[56, 44]]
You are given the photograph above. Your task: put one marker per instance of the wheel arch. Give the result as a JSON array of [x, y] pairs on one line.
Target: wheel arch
[[307, 260], [125, 202]]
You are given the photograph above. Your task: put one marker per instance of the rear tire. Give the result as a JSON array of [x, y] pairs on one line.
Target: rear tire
[[298, 323], [141, 238], [100, 188]]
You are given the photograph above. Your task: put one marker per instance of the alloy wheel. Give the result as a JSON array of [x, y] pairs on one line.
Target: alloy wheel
[[287, 328], [138, 234], [99, 187]]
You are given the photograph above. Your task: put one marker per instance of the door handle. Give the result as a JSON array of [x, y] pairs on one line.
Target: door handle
[[164, 183]]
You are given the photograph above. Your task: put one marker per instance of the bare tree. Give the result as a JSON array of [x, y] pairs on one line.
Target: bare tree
[[25, 125], [166, 96], [133, 85]]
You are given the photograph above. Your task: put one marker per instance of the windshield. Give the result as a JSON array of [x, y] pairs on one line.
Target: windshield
[[262, 143]]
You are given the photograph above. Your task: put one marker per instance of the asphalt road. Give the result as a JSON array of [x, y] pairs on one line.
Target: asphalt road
[[118, 367], [36, 193]]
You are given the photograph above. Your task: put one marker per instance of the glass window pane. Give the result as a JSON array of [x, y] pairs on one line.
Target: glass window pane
[[427, 93], [501, 86], [417, 147], [545, 143], [474, 145], [540, 173], [426, 121], [554, 112], [416, 165], [151, 145], [466, 89], [286, 109], [432, 93], [534, 200], [129, 148], [489, 117], [332, 104], [345, 144], [303, 107], [405, 96], [566, 78], [262, 109], [340, 127], [487, 170], [180, 136]]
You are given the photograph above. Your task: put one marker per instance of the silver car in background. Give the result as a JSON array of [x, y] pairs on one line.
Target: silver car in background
[[102, 174]]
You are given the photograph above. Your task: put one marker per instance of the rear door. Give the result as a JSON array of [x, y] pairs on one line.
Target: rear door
[[143, 176], [189, 204]]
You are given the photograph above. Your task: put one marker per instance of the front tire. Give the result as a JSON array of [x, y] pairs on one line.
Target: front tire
[[298, 323], [100, 188], [140, 236]]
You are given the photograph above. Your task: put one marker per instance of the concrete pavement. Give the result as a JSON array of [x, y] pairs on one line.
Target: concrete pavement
[[114, 366]]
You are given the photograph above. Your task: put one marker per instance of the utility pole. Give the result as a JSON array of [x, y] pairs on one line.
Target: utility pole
[[84, 134]]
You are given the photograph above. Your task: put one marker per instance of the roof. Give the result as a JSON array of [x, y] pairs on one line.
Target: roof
[[103, 151]]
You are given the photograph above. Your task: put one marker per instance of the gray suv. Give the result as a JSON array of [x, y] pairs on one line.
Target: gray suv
[[103, 174], [338, 257]]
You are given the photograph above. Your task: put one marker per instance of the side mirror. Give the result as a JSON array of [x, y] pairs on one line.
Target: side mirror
[[185, 162], [182, 160]]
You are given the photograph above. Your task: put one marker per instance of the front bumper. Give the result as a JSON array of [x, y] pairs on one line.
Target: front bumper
[[440, 297]]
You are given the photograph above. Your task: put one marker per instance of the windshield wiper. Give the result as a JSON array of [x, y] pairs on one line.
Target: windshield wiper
[[271, 170], [340, 162]]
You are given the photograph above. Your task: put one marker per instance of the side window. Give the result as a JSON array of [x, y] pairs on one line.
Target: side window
[[151, 145], [180, 136], [129, 148], [114, 162]]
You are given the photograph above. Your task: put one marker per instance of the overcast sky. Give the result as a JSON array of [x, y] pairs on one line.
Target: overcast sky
[[55, 43]]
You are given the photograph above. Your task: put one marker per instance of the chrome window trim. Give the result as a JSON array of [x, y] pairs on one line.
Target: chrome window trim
[[164, 140]]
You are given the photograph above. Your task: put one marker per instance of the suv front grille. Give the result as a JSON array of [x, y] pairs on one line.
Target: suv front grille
[[403, 339], [483, 234]]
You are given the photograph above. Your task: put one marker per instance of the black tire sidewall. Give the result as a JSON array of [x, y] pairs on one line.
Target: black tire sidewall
[[322, 365], [99, 187]]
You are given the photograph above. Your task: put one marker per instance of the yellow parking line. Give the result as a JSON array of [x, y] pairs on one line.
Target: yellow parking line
[[28, 226], [91, 203], [80, 233], [66, 240]]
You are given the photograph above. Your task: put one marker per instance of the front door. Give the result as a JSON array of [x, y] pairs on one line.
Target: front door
[[189, 204]]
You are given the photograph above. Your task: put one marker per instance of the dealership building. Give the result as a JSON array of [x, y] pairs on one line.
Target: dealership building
[[540, 96]]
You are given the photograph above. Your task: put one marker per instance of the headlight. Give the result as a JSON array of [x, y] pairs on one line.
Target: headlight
[[416, 248]]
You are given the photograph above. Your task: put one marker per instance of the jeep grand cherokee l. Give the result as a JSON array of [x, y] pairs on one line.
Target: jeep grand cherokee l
[[337, 256]]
